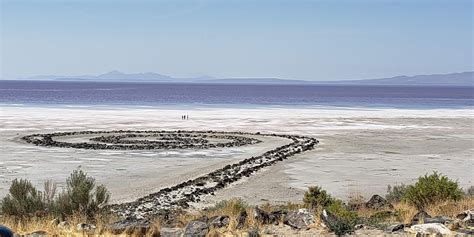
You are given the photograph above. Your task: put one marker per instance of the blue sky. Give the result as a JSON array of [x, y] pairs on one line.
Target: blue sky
[[315, 40]]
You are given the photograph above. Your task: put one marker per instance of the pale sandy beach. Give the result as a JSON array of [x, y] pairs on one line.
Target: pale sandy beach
[[360, 150]]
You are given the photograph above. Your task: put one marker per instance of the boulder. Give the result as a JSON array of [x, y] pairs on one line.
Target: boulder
[[430, 229], [394, 228], [261, 215], [129, 227], [267, 217], [171, 232], [438, 219], [420, 217], [241, 219], [300, 219], [377, 202], [196, 228], [219, 221], [467, 217]]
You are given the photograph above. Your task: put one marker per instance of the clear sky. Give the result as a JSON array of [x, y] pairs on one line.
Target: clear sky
[[315, 40]]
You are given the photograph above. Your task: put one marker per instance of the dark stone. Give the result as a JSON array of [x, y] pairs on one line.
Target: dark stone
[[196, 228], [420, 216], [300, 219], [129, 227], [220, 221], [437, 219], [241, 219], [467, 217], [275, 216], [261, 216], [377, 202], [395, 227]]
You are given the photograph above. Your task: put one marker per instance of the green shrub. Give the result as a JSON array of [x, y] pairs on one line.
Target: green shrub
[[81, 196], [343, 221], [432, 188], [340, 210], [23, 199], [316, 197], [342, 227], [395, 193]]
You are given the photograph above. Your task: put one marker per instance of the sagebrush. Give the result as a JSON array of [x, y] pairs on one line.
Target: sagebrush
[[316, 197], [432, 188], [82, 196]]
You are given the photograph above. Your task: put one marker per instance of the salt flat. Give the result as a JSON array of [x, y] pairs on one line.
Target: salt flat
[[360, 150]]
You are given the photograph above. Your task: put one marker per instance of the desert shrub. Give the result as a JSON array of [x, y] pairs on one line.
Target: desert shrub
[[81, 196], [230, 207], [23, 199], [340, 210], [316, 197], [470, 191], [342, 227], [395, 193], [343, 221], [432, 188]]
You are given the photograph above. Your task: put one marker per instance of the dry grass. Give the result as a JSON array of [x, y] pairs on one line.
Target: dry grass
[[450, 208], [405, 211], [49, 224], [28, 226], [355, 197], [229, 208], [445, 208]]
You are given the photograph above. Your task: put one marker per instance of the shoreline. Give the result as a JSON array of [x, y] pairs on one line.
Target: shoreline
[[200, 106]]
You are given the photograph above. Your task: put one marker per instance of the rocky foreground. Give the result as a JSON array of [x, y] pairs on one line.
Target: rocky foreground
[[276, 221]]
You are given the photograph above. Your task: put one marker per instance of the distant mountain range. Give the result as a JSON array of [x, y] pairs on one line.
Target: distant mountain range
[[452, 79]]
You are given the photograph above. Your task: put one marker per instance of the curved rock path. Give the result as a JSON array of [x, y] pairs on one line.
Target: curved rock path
[[180, 195]]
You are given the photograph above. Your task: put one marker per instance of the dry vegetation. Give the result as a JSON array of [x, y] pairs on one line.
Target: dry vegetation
[[316, 198]]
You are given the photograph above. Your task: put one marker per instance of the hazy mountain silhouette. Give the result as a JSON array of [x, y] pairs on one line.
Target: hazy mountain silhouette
[[451, 79]]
